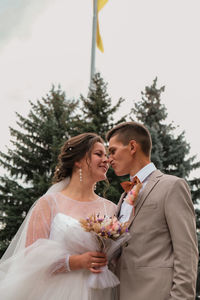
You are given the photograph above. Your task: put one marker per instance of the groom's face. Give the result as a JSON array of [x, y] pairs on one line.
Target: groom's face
[[120, 157]]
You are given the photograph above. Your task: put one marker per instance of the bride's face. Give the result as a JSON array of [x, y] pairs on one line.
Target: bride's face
[[97, 164]]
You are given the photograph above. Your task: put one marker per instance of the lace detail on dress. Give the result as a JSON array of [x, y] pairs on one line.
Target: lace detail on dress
[[50, 205], [78, 209]]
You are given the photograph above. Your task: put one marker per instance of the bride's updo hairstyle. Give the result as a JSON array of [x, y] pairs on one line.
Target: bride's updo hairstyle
[[73, 151]]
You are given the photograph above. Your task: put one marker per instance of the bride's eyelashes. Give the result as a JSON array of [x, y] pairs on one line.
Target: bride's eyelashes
[[101, 154]]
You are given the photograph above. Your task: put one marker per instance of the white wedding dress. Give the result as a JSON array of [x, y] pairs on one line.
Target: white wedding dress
[[29, 274]]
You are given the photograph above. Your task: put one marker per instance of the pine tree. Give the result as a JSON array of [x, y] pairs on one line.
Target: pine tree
[[98, 116], [31, 161], [170, 150], [98, 112]]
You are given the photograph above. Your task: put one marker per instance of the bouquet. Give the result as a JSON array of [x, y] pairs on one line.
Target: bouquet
[[104, 228], [109, 234]]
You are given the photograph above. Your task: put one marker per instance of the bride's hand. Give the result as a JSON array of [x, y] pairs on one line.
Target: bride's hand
[[92, 261]]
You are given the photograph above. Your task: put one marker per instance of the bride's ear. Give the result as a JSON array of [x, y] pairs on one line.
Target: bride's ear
[[77, 164]]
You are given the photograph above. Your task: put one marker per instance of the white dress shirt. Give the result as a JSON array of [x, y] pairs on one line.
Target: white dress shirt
[[142, 175]]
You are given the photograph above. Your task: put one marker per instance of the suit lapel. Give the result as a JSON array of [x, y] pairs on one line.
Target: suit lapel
[[152, 181], [120, 203]]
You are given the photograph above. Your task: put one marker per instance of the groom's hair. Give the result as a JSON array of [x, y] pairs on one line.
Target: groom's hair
[[128, 131]]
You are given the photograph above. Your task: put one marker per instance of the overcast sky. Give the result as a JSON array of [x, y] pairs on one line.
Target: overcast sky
[[45, 42]]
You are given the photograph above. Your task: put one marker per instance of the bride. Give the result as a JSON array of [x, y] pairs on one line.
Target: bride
[[50, 257]]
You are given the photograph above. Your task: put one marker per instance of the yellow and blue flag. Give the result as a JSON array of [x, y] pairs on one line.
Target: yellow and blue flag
[[100, 5]]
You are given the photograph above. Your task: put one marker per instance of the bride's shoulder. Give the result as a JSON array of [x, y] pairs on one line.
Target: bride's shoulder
[[49, 196], [45, 200]]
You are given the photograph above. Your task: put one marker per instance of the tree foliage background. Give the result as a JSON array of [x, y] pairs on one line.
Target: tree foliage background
[[30, 162]]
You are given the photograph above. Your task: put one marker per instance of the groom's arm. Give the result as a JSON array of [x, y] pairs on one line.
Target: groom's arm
[[180, 217]]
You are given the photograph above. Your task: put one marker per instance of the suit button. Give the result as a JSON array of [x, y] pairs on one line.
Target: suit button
[[126, 244]]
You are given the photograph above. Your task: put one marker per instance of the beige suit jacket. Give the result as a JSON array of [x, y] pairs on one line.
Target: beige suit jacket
[[160, 260]]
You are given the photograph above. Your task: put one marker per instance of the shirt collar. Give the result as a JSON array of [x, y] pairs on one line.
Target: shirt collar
[[144, 172]]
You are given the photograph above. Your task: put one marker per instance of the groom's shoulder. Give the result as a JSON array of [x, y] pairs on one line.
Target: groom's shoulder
[[163, 177]]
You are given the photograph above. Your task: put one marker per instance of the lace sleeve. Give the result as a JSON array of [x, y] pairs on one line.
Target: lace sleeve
[[39, 228], [39, 223]]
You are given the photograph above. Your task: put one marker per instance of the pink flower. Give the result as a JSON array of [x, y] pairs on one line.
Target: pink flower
[[115, 226]]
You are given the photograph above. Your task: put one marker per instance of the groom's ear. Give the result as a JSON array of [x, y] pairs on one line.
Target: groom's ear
[[133, 146]]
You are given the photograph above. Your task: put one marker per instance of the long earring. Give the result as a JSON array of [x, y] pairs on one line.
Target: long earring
[[80, 175]]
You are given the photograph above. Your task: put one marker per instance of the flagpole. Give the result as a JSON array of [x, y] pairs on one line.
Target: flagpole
[[94, 34]]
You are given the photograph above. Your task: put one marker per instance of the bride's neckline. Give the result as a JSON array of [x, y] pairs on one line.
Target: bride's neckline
[[92, 201], [66, 216]]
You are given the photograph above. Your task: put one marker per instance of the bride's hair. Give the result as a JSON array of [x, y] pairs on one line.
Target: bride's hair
[[73, 151]]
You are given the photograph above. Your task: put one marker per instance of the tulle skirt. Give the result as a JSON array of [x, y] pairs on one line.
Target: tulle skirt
[[28, 276]]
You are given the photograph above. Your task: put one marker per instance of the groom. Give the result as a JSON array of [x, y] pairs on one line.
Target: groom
[[160, 260]]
